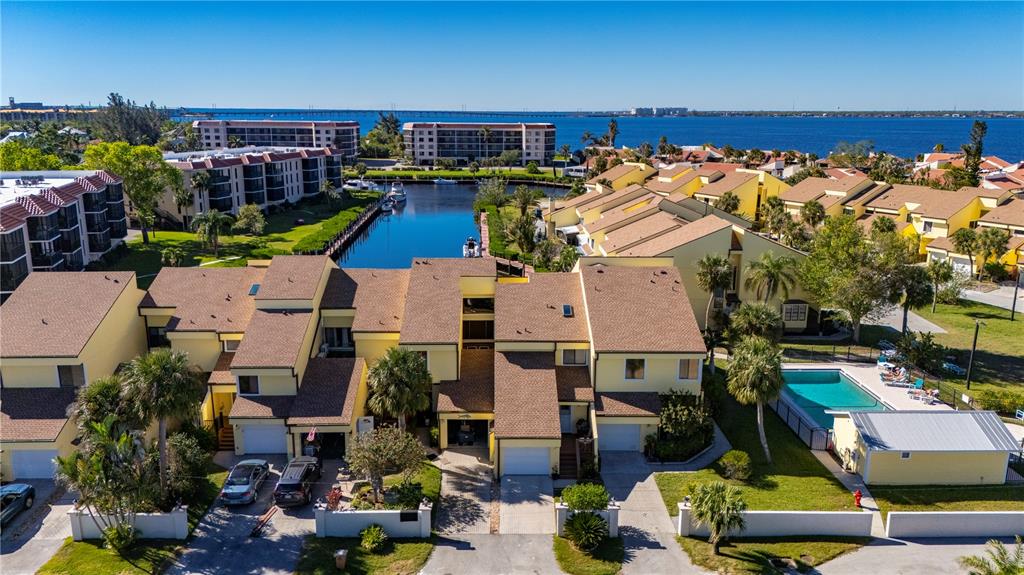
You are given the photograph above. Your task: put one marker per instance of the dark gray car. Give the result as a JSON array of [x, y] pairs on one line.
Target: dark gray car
[[243, 483]]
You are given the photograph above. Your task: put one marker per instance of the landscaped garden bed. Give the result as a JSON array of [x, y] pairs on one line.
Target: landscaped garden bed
[[768, 555], [403, 557]]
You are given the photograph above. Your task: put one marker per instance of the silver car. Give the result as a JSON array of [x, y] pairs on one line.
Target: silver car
[[244, 482]]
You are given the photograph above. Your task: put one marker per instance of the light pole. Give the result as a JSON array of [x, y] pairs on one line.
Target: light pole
[[1016, 286], [970, 364]]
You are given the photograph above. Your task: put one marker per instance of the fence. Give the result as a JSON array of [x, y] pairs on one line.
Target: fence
[[786, 523], [813, 435], [170, 525], [413, 523], [345, 236], [902, 524], [831, 353]]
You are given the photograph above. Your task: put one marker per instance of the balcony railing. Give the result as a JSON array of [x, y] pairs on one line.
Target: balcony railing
[[258, 197], [46, 260]]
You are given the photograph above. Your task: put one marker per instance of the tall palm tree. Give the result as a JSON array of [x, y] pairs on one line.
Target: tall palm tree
[[992, 244], [586, 137], [755, 319], [728, 202], [771, 274], [399, 384], [164, 385], [965, 240], [774, 215], [999, 560], [939, 273], [523, 198], [720, 507], [208, 227], [613, 132], [755, 376], [812, 213], [330, 191], [566, 152], [917, 290], [714, 273]]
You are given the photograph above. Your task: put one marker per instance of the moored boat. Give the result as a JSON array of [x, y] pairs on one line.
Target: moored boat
[[471, 249], [443, 182]]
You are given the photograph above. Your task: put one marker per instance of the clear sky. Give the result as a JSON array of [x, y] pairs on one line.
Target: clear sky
[[508, 56]]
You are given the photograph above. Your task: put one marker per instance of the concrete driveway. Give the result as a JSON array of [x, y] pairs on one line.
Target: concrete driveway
[[222, 541], [492, 555], [32, 537], [527, 504], [896, 557], [466, 479]]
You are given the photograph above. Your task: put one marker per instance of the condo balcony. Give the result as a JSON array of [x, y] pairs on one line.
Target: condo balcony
[[221, 204], [275, 194], [47, 260], [119, 228], [257, 197]]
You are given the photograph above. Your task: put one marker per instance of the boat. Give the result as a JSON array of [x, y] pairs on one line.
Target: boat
[[369, 185], [348, 187], [387, 206], [443, 182], [397, 187], [471, 249], [397, 197]]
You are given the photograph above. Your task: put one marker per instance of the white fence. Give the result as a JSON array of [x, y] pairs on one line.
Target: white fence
[[611, 515], [172, 525], [412, 523], [786, 523], [903, 524]]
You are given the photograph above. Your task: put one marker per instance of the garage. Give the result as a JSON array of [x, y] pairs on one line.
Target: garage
[[525, 461], [618, 437], [34, 463], [264, 439], [962, 266], [328, 445], [467, 432]]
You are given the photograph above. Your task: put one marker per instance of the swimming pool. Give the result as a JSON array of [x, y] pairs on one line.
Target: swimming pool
[[818, 390]]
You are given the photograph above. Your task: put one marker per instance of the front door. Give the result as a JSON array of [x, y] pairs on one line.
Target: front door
[[565, 417]]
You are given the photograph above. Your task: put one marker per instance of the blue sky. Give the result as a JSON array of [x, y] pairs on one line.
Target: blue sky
[[534, 56]]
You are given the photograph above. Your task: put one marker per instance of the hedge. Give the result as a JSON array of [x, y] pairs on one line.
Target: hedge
[[329, 229]]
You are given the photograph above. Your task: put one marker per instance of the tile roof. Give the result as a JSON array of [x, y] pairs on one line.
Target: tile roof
[[221, 374], [639, 231], [631, 209], [676, 237], [525, 396], [261, 406], [327, 395], [934, 431], [377, 295], [627, 403], [54, 314], [573, 383], [614, 173], [273, 339], [730, 182], [474, 391], [34, 413], [293, 277], [433, 303], [205, 299], [639, 309], [814, 188], [929, 202], [532, 311], [1011, 213]]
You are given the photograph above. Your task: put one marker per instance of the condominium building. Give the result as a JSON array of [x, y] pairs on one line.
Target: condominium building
[[427, 142], [55, 221], [264, 176], [216, 134]]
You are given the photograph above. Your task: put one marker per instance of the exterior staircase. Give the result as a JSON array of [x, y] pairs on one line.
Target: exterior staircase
[[226, 438], [567, 457]]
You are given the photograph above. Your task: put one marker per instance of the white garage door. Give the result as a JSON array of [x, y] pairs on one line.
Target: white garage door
[[962, 265], [34, 463], [525, 461], [618, 437], [264, 439]]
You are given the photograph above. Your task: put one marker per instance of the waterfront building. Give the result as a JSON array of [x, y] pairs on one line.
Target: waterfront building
[[217, 134], [264, 176], [427, 142], [56, 221], [1008, 216], [832, 194]]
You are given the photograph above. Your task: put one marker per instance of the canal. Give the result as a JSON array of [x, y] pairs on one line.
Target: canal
[[434, 222]]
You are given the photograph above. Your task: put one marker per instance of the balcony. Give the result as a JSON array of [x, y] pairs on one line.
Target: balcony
[[115, 211], [311, 188], [99, 242], [119, 228], [96, 222], [221, 204], [275, 194], [258, 197], [94, 202], [74, 261], [52, 261], [12, 274]]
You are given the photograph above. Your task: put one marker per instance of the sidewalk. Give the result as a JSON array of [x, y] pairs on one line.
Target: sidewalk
[[1002, 297], [853, 482]]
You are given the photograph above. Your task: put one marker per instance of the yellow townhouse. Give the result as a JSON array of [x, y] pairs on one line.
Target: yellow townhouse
[[1008, 216], [831, 194], [752, 187], [58, 332], [621, 176]]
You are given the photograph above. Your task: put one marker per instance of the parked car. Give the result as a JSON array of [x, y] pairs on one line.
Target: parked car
[[243, 483], [296, 484], [15, 498]]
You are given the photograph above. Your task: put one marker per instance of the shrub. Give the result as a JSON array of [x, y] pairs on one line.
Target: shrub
[[1005, 402], [531, 168], [120, 537], [996, 272], [588, 470], [188, 462], [206, 437], [435, 436], [409, 495], [329, 229], [373, 538], [586, 497], [586, 530], [735, 465]]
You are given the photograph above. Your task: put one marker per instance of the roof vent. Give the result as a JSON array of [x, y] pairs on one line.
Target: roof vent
[[566, 310], [254, 289]]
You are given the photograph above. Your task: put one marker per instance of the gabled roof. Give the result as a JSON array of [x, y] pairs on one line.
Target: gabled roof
[[929, 202], [433, 302], [525, 396], [205, 299], [814, 188], [293, 278], [473, 392], [273, 339], [656, 185], [1011, 214], [533, 311], [679, 236], [377, 295], [327, 395], [728, 183], [934, 431], [627, 404], [640, 231], [624, 212], [34, 413], [615, 173]]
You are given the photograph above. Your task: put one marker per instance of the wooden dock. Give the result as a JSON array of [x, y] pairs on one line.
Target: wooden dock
[[343, 239]]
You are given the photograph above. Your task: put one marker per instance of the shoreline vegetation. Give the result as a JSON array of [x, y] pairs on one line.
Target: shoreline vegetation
[[514, 176]]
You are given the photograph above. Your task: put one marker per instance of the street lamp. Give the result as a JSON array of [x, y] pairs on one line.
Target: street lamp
[[1016, 286], [970, 364]]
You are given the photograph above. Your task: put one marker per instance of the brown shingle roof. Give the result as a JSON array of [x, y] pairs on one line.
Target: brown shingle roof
[[34, 413], [205, 299], [262, 406], [273, 339], [377, 295], [814, 188], [573, 383], [639, 309], [525, 396], [221, 373], [928, 202], [730, 182], [54, 314], [610, 200], [327, 395], [679, 236], [628, 404], [639, 231], [292, 277], [1011, 214], [433, 303], [669, 187], [631, 209], [533, 311], [474, 391]]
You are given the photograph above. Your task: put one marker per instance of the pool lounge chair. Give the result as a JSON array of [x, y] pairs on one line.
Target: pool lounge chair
[[898, 382]]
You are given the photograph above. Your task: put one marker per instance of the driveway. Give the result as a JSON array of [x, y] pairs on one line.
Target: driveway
[[895, 557], [465, 505], [527, 505], [492, 555], [647, 531], [223, 540], [36, 534]]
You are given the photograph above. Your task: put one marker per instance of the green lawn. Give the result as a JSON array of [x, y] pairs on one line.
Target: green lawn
[[755, 555], [605, 560], [147, 557], [949, 498], [402, 557], [429, 478], [796, 480]]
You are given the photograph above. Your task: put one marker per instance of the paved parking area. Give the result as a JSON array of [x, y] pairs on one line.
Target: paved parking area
[[527, 504], [36, 534], [492, 555], [465, 505]]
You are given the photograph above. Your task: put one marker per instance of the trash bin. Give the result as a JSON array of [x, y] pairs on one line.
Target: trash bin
[[340, 558]]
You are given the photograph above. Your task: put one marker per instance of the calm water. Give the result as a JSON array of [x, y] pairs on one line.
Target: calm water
[[816, 391], [902, 136], [435, 222]]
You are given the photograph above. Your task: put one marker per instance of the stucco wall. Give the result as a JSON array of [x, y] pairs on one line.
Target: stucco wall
[[954, 524], [203, 348], [660, 373], [349, 523], [786, 523], [936, 468]]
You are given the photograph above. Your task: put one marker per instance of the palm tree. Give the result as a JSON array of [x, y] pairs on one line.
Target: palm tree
[[208, 226], [917, 290], [812, 213], [774, 215], [586, 137], [992, 244], [755, 376], [720, 507], [728, 202], [523, 199], [164, 385], [399, 384], [329, 191], [770, 274], [485, 138], [714, 273], [999, 561], [613, 132], [939, 272], [965, 240], [566, 152], [755, 319]]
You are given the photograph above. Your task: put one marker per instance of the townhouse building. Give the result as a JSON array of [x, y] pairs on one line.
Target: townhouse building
[[427, 142], [219, 134], [57, 220], [1008, 216], [832, 194]]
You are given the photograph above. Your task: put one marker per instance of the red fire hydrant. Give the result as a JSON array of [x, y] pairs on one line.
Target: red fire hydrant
[[856, 497]]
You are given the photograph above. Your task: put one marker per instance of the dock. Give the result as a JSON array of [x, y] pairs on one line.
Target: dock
[[345, 237]]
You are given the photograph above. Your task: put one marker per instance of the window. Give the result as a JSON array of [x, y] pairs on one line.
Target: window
[[478, 329], [71, 375], [927, 226], [904, 455], [688, 368], [635, 368], [794, 312], [231, 345], [248, 385], [574, 356], [157, 337], [338, 337]]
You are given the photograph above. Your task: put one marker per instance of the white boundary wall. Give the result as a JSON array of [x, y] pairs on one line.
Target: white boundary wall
[[172, 525], [611, 515], [787, 523], [349, 522], [902, 524]]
